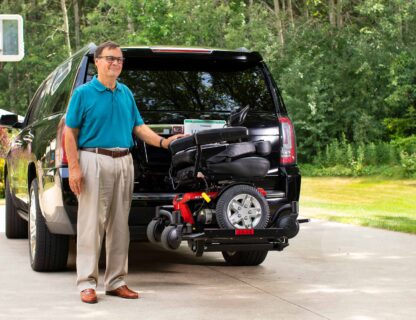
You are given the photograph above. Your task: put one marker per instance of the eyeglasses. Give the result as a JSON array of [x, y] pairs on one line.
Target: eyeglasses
[[111, 59]]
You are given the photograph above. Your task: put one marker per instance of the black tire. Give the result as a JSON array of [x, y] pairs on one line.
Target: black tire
[[235, 192], [244, 258], [170, 238], [48, 252], [16, 226], [154, 230]]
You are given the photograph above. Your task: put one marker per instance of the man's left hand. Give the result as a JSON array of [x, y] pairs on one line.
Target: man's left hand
[[167, 141]]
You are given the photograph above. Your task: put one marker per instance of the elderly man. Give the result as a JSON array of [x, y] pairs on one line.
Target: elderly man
[[101, 117]]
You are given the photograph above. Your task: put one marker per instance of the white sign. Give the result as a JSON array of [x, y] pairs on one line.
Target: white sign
[[11, 37], [192, 126]]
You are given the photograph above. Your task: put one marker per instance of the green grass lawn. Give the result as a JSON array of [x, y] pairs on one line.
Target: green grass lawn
[[369, 201]]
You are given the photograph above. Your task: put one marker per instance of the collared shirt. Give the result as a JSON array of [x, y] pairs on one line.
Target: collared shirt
[[105, 118]]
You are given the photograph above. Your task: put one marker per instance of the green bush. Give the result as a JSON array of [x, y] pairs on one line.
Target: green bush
[[370, 154], [310, 170], [407, 144], [386, 153], [408, 162], [388, 171]]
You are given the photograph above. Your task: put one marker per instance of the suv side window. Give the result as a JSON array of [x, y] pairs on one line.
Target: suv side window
[[53, 95], [37, 101], [59, 89]]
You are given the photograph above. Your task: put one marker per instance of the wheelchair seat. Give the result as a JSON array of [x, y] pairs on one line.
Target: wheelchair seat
[[220, 160]]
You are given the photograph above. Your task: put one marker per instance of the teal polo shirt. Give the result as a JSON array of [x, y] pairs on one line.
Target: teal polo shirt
[[105, 118]]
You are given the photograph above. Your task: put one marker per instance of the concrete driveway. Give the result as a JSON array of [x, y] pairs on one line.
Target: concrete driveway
[[330, 271]]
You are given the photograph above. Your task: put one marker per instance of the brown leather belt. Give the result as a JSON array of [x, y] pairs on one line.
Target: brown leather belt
[[106, 152]]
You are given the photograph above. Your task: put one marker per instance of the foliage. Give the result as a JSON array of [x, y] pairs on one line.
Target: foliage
[[348, 73], [4, 142], [408, 162], [407, 144], [345, 159]]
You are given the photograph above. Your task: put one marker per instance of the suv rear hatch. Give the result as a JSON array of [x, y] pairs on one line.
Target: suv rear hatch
[[171, 85]]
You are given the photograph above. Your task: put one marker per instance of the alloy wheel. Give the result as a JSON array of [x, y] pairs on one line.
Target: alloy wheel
[[244, 211]]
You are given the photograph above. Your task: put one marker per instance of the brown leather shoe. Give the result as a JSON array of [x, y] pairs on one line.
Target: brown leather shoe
[[123, 292], [88, 296]]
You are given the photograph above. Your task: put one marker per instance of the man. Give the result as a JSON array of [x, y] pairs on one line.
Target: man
[[101, 117]]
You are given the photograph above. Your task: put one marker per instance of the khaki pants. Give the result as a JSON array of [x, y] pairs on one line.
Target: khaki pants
[[103, 208]]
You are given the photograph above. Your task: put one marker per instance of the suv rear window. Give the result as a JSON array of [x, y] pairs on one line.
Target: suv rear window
[[210, 88]]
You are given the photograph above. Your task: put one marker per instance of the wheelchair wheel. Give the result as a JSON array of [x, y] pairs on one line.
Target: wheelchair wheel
[[154, 230], [170, 238], [242, 207]]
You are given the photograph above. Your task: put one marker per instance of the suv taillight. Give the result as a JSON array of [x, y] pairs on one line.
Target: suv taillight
[[287, 136]]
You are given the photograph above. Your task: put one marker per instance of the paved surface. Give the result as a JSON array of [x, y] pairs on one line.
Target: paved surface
[[330, 271], [2, 218]]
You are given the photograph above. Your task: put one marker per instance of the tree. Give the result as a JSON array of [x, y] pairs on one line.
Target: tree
[[343, 65]]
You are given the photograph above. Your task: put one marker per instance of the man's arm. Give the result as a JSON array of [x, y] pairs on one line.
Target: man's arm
[[71, 148], [146, 134]]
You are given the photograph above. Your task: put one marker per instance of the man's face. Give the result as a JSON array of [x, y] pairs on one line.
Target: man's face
[[106, 67]]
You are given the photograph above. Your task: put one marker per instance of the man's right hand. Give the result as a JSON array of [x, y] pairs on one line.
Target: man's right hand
[[76, 180]]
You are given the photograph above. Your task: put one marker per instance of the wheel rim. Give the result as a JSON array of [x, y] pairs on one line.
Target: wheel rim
[[244, 211], [32, 224]]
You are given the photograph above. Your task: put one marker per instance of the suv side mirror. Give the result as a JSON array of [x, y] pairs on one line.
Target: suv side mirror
[[238, 116], [10, 120]]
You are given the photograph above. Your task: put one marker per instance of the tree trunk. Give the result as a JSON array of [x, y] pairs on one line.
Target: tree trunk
[[340, 20], [279, 23], [401, 22], [331, 12], [66, 27], [29, 90], [77, 25], [130, 25], [306, 11], [290, 11], [12, 87]]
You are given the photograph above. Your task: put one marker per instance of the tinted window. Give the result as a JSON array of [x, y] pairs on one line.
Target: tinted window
[[37, 101], [60, 89], [193, 90]]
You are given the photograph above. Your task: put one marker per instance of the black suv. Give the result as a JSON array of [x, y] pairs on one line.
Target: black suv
[[170, 85]]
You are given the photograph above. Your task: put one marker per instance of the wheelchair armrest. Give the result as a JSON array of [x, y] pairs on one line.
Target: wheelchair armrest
[[181, 144], [222, 134], [208, 137]]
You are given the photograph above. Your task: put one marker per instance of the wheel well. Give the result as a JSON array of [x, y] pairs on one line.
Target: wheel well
[[31, 174]]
